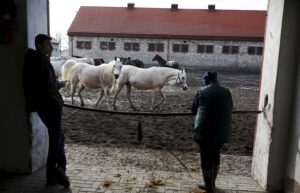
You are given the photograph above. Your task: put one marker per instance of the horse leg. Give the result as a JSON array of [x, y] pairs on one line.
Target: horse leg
[[162, 100], [152, 100], [106, 93], [73, 89], [81, 87], [119, 88], [113, 88], [128, 96], [101, 93], [65, 88]]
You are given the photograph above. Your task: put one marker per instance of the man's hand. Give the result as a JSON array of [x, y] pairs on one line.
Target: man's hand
[[61, 84]]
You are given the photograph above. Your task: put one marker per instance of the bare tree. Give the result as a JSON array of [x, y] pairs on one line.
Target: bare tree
[[58, 36]]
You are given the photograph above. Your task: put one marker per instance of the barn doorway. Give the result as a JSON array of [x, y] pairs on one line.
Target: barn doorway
[[165, 137]]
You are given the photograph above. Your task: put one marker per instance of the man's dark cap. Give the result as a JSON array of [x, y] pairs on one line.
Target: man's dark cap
[[210, 76]]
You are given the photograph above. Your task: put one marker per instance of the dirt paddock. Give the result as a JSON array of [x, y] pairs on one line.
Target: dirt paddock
[[160, 134]]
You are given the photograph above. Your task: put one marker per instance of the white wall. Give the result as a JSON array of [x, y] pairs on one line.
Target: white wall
[[265, 120], [36, 20], [273, 138]]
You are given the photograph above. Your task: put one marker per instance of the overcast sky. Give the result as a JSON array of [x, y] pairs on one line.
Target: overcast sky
[[62, 12]]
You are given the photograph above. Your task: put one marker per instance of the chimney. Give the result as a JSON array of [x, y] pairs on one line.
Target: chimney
[[130, 5], [211, 8], [174, 7]]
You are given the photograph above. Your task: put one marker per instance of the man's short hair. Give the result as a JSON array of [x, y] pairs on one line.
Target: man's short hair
[[40, 38]]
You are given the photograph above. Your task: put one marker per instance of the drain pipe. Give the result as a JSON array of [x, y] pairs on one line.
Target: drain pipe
[[168, 47]]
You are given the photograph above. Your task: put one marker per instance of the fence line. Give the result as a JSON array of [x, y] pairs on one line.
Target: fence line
[[136, 113]]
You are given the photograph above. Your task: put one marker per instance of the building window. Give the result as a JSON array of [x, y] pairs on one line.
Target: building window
[[255, 50], [88, 45], [107, 45], [83, 45], [230, 49], [128, 46], [79, 44], [209, 49], [135, 46], [176, 48], [103, 46], [180, 48], [111, 45], [152, 47]]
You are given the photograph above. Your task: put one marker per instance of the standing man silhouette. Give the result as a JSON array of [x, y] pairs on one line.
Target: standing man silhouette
[[42, 95], [212, 106]]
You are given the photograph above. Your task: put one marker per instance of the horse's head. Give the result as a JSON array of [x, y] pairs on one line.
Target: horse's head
[[155, 58], [181, 79], [117, 67]]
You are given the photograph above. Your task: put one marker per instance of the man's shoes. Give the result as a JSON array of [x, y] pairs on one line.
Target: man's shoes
[[51, 178], [209, 184], [51, 181], [62, 178], [201, 185]]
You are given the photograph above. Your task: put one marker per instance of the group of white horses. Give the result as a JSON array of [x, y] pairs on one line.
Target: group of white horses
[[114, 75]]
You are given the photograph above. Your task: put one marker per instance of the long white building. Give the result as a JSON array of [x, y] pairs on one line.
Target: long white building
[[192, 37]]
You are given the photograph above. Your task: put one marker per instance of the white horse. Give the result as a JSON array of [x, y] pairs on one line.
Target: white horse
[[58, 65], [66, 67], [84, 60], [153, 78], [94, 77]]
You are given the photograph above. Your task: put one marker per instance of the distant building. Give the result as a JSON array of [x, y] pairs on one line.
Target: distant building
[[192, 37], [56, 48]]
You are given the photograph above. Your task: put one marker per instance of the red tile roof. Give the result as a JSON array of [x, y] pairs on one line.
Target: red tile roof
[[163, 23]]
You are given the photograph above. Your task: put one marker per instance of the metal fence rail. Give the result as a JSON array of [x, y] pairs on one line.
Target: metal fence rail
[[137, 113]]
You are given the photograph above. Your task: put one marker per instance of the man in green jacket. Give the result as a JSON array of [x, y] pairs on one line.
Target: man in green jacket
[[212, 106]]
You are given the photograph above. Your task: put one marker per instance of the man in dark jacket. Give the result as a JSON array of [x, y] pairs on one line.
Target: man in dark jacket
[[212, 126], [42, 95]]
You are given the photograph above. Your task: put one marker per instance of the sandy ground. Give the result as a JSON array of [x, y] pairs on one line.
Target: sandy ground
[[163, 135]]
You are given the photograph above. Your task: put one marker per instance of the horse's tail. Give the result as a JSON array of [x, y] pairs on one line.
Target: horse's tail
[[66, 68]]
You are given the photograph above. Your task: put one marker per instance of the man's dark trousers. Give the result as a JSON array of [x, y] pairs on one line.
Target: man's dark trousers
[[56, 154], [210, 154]]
